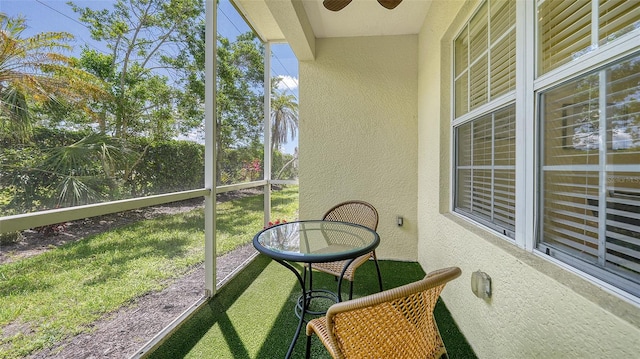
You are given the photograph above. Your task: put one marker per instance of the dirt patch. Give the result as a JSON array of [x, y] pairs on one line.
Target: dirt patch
[[122, 333]]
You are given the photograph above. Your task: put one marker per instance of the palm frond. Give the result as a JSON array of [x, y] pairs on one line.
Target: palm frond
[[36, 67], [72, 191]]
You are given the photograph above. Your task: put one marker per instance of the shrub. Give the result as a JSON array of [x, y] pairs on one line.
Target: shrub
[[10, 237]]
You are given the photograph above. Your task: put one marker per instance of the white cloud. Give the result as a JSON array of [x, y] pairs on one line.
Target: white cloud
[[287, 83]]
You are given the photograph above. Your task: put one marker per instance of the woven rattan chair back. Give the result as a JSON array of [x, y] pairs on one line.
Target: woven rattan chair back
[[391, 324], [358, 212]]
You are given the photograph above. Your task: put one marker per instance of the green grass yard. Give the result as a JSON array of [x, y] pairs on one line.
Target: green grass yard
[[59, 293]]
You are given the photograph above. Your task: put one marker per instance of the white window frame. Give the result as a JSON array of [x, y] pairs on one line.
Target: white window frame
[[493, 105], [598, 57], [499, 227]]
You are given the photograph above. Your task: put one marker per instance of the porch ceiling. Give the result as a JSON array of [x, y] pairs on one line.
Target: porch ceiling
[[300, 22]]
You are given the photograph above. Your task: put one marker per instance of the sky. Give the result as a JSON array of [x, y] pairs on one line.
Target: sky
[[56, 15]]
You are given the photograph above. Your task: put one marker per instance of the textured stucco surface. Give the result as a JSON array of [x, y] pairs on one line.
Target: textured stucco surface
[[358, 133], [374, 125], [538, 310]]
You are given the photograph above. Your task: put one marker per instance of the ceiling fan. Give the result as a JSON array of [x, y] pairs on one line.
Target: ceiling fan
[[336, 5]]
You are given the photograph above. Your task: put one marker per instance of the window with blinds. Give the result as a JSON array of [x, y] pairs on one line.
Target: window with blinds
[[485, 170], [484, 56], [566, 29], [590, 193], [587, 117]]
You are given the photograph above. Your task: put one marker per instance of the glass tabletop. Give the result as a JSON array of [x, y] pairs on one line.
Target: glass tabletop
[[316, 241]]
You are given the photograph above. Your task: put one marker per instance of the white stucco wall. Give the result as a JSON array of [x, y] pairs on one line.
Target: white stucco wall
[[538, 309], [358, 133]]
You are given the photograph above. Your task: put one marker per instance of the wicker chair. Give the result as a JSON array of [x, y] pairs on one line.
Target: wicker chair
[[395, 323], [358, 212]]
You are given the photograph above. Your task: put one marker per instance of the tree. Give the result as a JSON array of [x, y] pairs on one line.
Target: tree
[[33, 71], [79, 171], [284, 116], [143, 36], [284, 125], [239, 99]]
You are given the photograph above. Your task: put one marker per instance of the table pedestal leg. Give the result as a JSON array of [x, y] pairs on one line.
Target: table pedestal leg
[[304, 305], [305, 300]]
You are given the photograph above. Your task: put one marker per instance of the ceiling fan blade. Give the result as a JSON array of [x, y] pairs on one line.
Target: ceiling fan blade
[[335, 5], [390, 4]]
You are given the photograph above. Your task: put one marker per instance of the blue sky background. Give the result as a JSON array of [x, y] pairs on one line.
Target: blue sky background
[[56, 15]]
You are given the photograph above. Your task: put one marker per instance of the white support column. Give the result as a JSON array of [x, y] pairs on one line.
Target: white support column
[[267, 132], [210, 150]]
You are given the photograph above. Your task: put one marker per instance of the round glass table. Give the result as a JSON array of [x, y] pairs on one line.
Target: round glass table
[[314, 241]]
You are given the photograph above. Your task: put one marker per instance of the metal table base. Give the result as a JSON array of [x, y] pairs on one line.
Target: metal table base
[[304, 300]]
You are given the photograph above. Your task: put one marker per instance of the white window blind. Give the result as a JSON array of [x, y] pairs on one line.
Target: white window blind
[[590, 201], [461, 84], [503, 45], [484, 56], [566, 30], [616, 18], [485, 170]]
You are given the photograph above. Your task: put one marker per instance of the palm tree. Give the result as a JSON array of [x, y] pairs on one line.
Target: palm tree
[[82, 171], [32, 70], [284, 117]]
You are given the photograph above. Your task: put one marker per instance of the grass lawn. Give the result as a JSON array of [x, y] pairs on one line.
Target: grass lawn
[[242, 218], [59, 293]]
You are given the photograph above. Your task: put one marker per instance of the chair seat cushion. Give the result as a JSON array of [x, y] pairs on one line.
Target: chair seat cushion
[[335, 268]]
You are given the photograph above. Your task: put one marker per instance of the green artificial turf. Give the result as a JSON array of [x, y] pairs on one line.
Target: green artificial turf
[[252, 316]]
